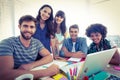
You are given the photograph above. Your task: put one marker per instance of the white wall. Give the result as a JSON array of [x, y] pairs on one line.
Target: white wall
[[6, 19], [81, 12], [106, 12]]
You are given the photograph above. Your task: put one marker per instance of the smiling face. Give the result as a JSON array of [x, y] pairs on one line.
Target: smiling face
[[96, 37], [59, 19], [73, 33], [27, 29], [45, 13]]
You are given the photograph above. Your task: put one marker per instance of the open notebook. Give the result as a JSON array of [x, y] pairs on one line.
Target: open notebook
[[93, 63], [57, 62]]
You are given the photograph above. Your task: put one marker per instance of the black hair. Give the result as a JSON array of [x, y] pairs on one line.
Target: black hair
[[49, 22], [74, 26], [63, 24], [27, 18], [93, 28]]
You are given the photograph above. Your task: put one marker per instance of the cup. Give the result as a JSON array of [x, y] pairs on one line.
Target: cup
[[25, 77]]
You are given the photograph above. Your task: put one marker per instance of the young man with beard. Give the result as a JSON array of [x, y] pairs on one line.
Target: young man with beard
[[18, 54], [74, 46]]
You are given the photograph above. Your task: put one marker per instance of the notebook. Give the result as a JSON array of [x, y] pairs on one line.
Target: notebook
[[57, 62]]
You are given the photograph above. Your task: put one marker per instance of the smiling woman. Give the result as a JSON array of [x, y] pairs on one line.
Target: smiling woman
[[44, 26], [97, 33]]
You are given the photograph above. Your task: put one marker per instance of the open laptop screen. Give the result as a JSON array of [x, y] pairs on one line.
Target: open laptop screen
[[96, 62]]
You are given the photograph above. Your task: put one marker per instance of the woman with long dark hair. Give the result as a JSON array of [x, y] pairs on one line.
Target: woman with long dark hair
[[60, 31], [44, 25]]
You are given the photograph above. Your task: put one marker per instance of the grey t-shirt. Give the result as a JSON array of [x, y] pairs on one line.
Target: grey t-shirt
[[21, 54]]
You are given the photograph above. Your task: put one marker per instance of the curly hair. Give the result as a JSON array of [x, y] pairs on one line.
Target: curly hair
[[93, 28], [63, 24], [49, 22]]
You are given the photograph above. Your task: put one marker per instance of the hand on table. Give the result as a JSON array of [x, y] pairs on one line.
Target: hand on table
[[53, 69], [26, 67]]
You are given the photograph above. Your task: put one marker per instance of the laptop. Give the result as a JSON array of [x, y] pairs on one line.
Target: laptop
[[95, 62]]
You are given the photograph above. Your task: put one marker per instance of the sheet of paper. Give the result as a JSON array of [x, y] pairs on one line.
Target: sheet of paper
[[57, 62], [38, 68], [74, 59]]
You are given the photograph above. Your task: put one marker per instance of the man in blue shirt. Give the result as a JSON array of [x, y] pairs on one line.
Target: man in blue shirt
[[74, 46], [18, 54]]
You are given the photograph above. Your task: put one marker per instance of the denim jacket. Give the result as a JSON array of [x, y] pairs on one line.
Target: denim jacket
[[80, 45]]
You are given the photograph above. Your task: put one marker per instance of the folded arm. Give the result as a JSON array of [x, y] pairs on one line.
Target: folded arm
[[78, 54], [47, 57], [7, 71]]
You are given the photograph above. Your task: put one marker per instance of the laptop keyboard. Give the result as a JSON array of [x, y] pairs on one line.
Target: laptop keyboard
[[112, 77]]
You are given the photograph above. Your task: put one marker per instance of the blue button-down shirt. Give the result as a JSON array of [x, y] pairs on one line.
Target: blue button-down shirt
[[80, 45]]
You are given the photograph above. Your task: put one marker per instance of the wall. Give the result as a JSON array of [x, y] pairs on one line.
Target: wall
[[81, 12], [6, 19], [106, 12], [76, 13]]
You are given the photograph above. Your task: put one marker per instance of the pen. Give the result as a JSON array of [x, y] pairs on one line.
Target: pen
[[68, 76], [75, 73], [70, 72]]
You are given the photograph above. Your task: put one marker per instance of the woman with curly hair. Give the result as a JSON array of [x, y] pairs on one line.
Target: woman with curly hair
[[97, 33]]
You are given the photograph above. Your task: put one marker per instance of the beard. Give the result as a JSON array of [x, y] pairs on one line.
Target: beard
[[26, 37]]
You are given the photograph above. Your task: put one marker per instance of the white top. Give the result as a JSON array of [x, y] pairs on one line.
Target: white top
[[60, 38], [73, 49]]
